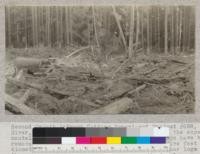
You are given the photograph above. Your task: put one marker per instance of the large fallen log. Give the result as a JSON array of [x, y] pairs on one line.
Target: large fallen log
[[116, 107], [30, 64], [18, 106], [24, 84]]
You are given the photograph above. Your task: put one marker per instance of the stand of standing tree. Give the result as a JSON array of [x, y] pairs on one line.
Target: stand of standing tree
[[164, 29]]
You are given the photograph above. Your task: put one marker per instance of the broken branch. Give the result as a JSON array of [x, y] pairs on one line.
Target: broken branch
[[77, 51]]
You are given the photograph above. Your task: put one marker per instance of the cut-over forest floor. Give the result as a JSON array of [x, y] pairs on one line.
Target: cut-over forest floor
[[89, 83]]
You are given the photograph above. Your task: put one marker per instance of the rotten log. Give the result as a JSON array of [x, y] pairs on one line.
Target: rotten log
[[116, 107], [18, 106], [24, 84]]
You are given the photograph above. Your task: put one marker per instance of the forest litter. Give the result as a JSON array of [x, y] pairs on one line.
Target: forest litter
[[79, 83]]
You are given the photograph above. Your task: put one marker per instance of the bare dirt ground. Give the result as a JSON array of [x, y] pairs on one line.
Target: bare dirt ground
[[155, 84]]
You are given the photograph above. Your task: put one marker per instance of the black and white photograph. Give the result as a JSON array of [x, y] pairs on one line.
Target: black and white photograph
[[98, 60]]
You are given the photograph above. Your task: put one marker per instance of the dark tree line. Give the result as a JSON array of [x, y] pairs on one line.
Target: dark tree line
[[169, 29]]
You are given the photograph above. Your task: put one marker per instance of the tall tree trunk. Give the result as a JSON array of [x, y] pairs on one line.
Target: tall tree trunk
[[66, 26], [71, 24], [36, 26], [9, 43], [158, 22], [172, 30], [166, 31], [48, 22], [148, 32], [95, 30], [57, 28], [137, 29], [25, 28], [131, 31], [33, 25], [188, 29], [180, 29], [120, 28], [142, 28], [61, 26], [177, 29]]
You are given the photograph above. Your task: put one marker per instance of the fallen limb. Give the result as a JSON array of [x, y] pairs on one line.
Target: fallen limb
[[118, 69], [150, 71], [26, 95], [177, 61], [155, 80], [116, 107], [23, 84], [139, 50], [77, 51], [18, 106], [181, 70], [137, 90], [118, 92]]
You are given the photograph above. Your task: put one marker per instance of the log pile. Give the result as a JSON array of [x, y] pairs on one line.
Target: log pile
[[125, 86]]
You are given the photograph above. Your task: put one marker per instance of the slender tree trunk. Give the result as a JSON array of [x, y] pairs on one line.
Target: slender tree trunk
[[48, 22], [57, 27], [166, 31], [142, 29], [137, 29], [25, 28], [36, 26], [33, 25], [180, 30], [95, 30], [89, 28], [61, 26], [131, 31], [9, 26], [188, 29], [70, 24], [172, 30], [66, 27], [158, 21], [177, 29], [148, 33], [120, 28]]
